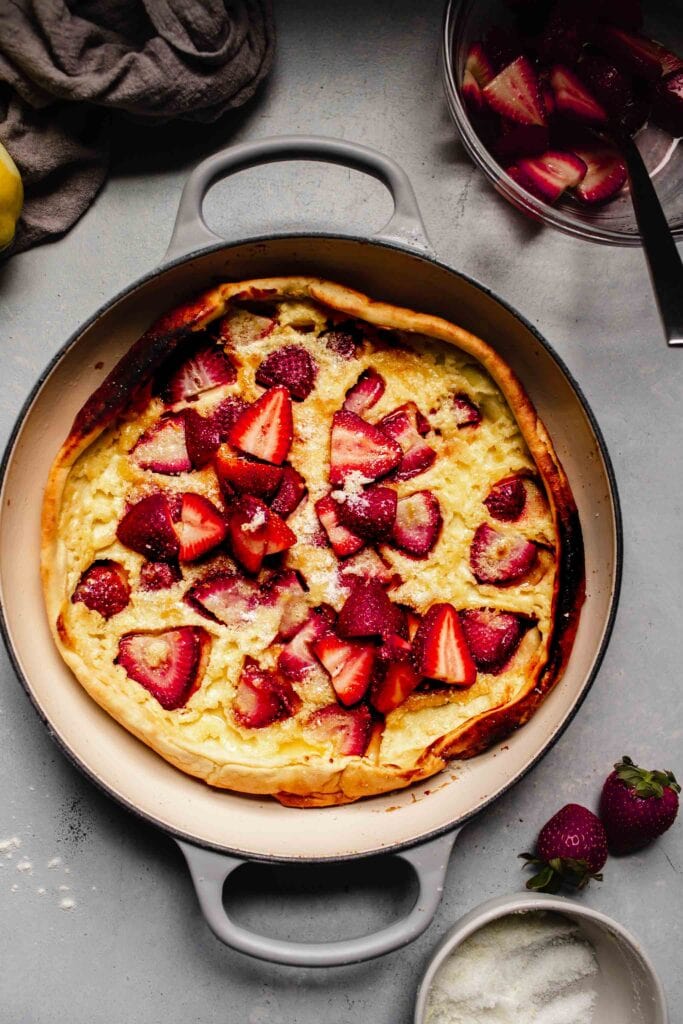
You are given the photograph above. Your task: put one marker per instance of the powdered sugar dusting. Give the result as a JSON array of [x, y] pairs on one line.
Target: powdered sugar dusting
[[256, 521]]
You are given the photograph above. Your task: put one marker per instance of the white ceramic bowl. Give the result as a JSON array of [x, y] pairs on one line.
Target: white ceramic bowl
[[629, 990]]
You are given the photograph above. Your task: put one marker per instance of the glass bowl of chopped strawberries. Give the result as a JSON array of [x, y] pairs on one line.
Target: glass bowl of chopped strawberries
[[539, 89]]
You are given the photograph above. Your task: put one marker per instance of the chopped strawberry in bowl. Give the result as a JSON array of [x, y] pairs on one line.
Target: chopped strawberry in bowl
[[529, 84]]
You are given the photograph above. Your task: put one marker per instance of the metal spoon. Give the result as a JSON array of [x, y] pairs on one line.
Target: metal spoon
[[664, 262]]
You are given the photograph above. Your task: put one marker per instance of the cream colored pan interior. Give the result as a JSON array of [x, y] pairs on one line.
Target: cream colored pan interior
[[126, 768]]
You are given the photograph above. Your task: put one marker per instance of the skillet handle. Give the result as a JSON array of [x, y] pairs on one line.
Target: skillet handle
[[191, 234], [210, 870]]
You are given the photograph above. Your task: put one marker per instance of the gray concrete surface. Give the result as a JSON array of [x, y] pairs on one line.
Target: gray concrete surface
[[134, 947]]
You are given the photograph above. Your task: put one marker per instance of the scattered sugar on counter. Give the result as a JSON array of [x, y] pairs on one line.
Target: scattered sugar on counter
[[532, 966]]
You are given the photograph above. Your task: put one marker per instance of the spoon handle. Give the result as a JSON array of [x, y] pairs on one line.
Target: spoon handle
[[664, 262]]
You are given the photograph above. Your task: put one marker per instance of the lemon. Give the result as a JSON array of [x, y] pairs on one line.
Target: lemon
[[11, 197]]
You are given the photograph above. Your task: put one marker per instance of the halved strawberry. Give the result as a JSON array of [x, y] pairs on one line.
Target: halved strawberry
[[506, 499], [159, 575], [406, 425], [248, 527], [266, 428], [165, 663], [344, 541], [418, 523], [392, 685], [349, 664], [200, 528], [291, 366], [207, 368], [147, 528], [367, 565], [606, 174], [103, 588], [369, 514], [202, 437], [344, 340], [290, 492], [163, 448], [242, 327], [547, 176], [515, 93], [368, 611], [262, 697], [440, 650], [465, 412], [479, 65], [279, 537], [226, 415], [225, 597], [500, 557], [246, 476], [346, 729], [573, 99], [297, 659], [360, 447], [365, 393], [633, 53], [492, 636]]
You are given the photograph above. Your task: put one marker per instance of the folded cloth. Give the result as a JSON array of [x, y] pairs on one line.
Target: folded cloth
[[66, 63]]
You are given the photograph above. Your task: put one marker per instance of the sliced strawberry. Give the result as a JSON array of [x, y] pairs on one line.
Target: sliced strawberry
[[573, 99], [103, 588], [347, 729], [349, 665], [159, 575], [207, 368], [246, 476], [515, 93], [262, 697], [492, 636], [368, 611], [391, 686], [344, 340], [506, 499], [633, 53], [471, 93], [202, 438], [248, 528], [163, 447], [344, 541], [360, 447], [500, 557], [406, 425], [605, 176], [201, 527], [297, 659], [365, 393], [291, 366], [166, 663], [522, 139], [147, 528], [465, 412], [369, 514], [242, 327], [225, 597], [290, 492], [667, 108], [226, 415], [367, 565], [440, 650], [548, 176], [418, 523], [266, 428], [479, 65]]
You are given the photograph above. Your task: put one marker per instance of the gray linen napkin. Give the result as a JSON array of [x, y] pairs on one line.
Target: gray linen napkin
[[66, 63]]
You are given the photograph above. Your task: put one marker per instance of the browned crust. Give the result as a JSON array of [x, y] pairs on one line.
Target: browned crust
[[127, 383]]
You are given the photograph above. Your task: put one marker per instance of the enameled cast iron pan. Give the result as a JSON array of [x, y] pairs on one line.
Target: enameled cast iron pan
[[219, 830]]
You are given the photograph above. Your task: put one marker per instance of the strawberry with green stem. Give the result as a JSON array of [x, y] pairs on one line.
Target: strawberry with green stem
[[637, 806], [570, 850]]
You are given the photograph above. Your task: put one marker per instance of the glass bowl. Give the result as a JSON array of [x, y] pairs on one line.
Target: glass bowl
[[614, 223]]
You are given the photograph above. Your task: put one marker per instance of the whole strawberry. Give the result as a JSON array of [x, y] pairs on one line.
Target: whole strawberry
[[570, 850], [637, 806]]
